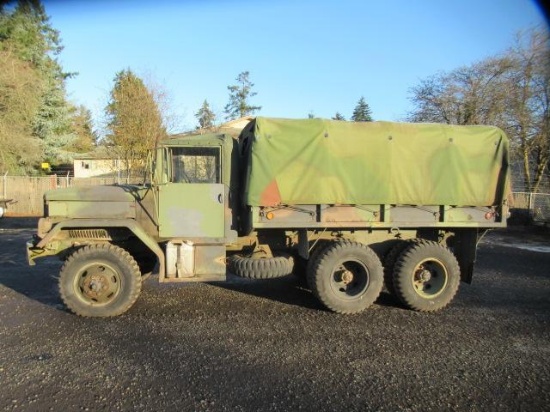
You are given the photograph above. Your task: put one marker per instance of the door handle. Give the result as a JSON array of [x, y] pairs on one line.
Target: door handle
[[220, 198]]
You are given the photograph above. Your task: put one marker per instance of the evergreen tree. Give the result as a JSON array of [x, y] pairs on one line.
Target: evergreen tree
[[239, 96], [205, 116], [52, 124], [25, 28], [338, 116], [86, 137], [362, 112], [19, 102], [25, 32], [134, 120]]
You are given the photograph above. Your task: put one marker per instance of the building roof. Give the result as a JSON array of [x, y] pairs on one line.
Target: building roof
[[232, 128], [100, 152]]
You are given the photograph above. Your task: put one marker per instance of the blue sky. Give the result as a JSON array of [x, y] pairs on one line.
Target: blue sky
[[304, 57]]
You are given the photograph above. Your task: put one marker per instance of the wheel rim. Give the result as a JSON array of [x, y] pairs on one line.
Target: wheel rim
[[98, 283], [429, 278], [350, 279]]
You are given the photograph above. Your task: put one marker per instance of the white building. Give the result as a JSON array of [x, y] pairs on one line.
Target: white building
[[94, 165]]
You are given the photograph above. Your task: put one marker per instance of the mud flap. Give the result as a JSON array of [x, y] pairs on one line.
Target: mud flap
[[464, 245]]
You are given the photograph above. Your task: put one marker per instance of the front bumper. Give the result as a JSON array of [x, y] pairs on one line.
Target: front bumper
[[34, 252]]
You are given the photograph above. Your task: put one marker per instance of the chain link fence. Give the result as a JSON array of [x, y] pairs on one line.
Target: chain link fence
[[528, 206], [535, 206]]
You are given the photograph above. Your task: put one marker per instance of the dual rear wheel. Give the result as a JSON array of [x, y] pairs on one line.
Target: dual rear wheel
[[422, 274], [347, 277]]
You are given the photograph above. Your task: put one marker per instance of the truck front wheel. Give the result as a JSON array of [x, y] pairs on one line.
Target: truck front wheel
[[346, 276], [426, 276], [100, 280]]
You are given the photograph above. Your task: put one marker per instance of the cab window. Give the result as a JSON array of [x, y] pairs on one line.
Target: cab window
[[196, 165]]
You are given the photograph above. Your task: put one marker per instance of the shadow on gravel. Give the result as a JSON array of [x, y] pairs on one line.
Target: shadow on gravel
[[387, 300], [519, 260], [39, 287], [39, 282], [18, 223], [290, 290]]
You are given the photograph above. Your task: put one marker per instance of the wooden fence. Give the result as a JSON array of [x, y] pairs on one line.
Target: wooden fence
[[28, 192]]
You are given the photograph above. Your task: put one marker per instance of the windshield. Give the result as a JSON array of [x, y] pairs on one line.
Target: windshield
[[195, 165]]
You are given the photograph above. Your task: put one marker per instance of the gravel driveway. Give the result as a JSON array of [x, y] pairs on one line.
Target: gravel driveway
[[268, 345]]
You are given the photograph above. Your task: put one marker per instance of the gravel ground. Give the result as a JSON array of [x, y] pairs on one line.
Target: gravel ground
[[268, 345]]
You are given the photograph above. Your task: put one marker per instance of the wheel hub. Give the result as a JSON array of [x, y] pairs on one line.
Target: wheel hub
[[347, 277], [430, 278], [425, 275], [95, 285]]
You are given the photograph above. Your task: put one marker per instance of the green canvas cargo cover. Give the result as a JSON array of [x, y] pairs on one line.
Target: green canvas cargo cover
[[317, 161]]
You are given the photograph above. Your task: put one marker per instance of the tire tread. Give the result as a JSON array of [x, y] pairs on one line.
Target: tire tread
[[320, 268], [95, 251], [401, 277]]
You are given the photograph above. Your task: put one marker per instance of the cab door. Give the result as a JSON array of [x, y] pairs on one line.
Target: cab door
[[192, 203]]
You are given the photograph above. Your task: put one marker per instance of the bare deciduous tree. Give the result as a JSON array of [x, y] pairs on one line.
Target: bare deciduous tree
[[528, 105], [510, 91]]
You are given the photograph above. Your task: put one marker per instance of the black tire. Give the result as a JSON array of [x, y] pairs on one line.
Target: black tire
[[100, 280], [300, 267], [262, 268], [347, 277], [146, 265], [319, 248], [391, 259], [426, 276], [144, 257], [303, 266]]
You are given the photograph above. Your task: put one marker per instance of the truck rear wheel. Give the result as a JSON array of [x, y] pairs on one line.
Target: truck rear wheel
[[426, 276], [319, 248], [391, 259], [99, 281], [347, 277]]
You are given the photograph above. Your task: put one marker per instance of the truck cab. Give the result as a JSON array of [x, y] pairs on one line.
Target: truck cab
[[196, 197]]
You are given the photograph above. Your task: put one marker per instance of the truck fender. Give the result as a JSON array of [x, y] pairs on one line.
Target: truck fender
[[130, 224]]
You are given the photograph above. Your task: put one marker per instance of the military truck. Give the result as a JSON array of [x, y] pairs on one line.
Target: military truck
[[348, 206]]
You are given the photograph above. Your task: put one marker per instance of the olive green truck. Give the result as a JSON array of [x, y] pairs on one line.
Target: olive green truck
[[349, 206]]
